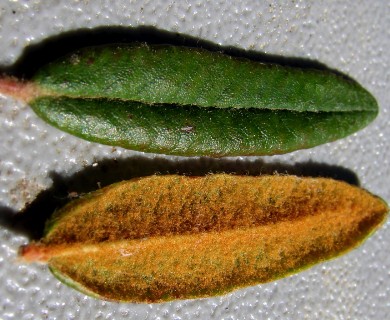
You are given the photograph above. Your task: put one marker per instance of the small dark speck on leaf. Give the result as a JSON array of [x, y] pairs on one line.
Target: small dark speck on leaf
[[187, 129]]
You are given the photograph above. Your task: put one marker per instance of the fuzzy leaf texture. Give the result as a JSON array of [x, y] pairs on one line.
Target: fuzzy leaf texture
[[193, 102], [160, 238]]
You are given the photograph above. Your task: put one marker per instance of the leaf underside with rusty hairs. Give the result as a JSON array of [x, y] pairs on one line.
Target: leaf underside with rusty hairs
[[192, 102], [170, 237]]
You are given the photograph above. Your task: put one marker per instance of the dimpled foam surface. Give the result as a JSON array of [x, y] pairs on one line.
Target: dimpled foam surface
[[349, 36]]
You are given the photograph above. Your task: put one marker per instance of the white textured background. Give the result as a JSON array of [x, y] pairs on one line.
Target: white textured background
[[350, 36]]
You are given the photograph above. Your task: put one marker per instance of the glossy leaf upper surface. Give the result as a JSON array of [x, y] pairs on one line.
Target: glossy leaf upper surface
[[185, 101]]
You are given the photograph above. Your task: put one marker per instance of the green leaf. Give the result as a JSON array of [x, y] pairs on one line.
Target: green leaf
[[170, 237], [186, 101], [195, 131]]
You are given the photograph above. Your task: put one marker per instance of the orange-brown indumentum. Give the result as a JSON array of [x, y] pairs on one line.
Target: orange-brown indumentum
[[170, 237]]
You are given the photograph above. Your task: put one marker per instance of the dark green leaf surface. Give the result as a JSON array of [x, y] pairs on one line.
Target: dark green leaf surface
[[193, 130], [184, 101]]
